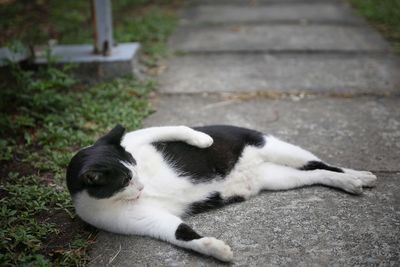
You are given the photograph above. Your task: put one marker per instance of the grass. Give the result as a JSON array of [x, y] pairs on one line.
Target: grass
[[49, 119], [46, 115], [384, 14]]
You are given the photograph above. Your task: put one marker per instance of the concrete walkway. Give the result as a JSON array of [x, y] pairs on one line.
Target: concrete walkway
[[312, 73]]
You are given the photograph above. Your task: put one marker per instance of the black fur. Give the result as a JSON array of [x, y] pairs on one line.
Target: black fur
[[112, 137], [212, 202], [185, 233], [98, 168], [318, 165], [205, 164], [234, 199]]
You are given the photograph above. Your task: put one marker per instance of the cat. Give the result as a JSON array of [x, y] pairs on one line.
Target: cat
[[144, 181]]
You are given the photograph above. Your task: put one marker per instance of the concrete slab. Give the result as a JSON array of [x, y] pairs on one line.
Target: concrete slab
[[322, 12], [312, 226], [276, 38], [287, 72], [306, 227], [91, 66], [84, 54]]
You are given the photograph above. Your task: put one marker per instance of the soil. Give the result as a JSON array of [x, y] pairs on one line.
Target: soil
[[68, 229], [22, 168]]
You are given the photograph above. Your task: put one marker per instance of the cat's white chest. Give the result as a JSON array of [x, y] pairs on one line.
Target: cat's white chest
[[150, 164], [163, 186]]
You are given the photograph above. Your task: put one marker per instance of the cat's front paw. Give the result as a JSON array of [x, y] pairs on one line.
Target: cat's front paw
[[200, 140], [215, 248]]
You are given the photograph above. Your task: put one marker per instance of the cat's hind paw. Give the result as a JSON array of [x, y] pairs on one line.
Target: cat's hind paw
[[353, 185], [200, 140], [368, 179], [215, 248]]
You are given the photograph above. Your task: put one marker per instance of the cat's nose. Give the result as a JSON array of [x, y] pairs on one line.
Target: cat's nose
[[140, 186]]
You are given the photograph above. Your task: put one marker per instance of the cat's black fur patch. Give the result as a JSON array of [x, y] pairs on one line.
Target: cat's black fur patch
[[212, 202], [234, 199], [185, 233], [98, 168], [205, 164], [318, 165]]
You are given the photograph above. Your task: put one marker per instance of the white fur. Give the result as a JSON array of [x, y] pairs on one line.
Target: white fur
[[168, 133], [155, 211], [283, 153]]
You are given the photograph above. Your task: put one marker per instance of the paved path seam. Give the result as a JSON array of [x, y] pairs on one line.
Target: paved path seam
[[276, 95], [288, 52], [258, 2], [276, 22]]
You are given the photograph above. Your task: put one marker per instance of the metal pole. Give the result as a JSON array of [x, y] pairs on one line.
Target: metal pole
[[102, 26]]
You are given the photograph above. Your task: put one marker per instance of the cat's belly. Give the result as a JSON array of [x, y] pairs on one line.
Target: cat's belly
[[177, 198], [166, 188]]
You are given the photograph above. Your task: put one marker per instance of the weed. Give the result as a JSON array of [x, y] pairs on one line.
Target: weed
[[385, 15], [6, 150], [52, 118], [21, 234], [152, 30]]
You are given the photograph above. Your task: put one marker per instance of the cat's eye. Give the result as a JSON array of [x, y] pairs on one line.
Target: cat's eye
[[127, 179]]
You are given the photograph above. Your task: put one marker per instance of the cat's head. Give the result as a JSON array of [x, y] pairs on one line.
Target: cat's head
[[104, 170]]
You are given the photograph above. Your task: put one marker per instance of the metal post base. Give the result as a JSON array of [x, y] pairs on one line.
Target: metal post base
[[94, 67]]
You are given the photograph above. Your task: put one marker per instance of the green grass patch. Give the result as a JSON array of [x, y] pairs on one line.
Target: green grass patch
[[22, 235], [42, 127], [46, 115], [153, 29], [384, 14]]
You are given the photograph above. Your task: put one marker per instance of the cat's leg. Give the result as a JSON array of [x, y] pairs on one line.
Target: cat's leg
[[283, 153], [162, 225], [270, 176], [167, 133]]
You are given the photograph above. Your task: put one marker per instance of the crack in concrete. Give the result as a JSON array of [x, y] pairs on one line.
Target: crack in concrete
[[286, 52], [303, 22], [269, 94], [385, 171]]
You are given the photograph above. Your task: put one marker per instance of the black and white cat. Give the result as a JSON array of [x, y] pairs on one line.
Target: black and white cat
[[143, 182]]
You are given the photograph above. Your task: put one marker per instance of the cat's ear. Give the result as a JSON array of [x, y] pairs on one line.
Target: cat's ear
[[113, 137], [91, 177]]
